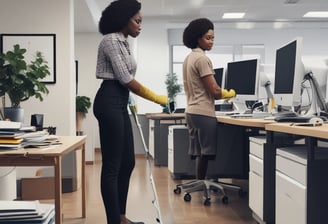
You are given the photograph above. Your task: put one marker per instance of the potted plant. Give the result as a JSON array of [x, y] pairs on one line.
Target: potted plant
[[21, 80], [83, 104], [172, 87]]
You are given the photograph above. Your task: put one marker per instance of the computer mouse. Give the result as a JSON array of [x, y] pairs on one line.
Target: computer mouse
[[316, 121]]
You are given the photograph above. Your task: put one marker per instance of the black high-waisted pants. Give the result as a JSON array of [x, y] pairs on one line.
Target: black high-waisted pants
[[117, 148]]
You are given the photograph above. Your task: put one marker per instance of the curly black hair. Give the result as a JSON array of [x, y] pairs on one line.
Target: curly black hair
[[195, 30], [117, 14]]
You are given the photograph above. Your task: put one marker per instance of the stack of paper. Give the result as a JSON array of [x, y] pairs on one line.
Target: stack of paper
[[38, 139], [13, 136], [18, 212], [10, 135]]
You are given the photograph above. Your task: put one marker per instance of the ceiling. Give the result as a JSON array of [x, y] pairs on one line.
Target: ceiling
[[87, 12]]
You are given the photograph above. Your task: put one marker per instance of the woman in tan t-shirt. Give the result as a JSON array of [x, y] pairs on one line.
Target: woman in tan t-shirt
[[201, 91]]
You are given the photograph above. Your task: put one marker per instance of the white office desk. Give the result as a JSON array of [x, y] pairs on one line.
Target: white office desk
[[51, 157], [158, 133], [316, 167], [268, 206], [247, 122]]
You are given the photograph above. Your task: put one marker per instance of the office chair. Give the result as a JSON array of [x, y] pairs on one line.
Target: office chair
[[207, 186], [207, 181]]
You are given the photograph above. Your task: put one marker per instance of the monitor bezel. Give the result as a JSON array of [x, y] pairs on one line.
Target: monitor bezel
[[292, 98], [246, 97]]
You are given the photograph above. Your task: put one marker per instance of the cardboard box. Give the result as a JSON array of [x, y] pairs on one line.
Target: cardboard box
[[37, 188]]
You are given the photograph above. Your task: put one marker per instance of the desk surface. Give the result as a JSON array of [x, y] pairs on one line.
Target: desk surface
[[248, 122], [68, 143], [318, 131], [164, 116]]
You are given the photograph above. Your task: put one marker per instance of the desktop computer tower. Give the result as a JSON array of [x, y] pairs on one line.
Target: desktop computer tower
[[180, 165]]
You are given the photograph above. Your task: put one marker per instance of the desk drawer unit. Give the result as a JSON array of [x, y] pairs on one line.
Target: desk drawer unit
[[301, 185], [291, 187], [256, 185], [290, 200], [180, 164], [256, 176]]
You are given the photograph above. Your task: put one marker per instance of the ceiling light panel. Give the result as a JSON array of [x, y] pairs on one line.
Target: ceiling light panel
[[233, 15], [316, 14]]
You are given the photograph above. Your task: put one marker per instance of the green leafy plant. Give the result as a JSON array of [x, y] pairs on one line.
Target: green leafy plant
[[83, 104], [172, 86], [22, 80]]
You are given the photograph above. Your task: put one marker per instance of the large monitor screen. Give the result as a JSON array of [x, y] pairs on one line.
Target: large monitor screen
[[243, 77], [289, 74]]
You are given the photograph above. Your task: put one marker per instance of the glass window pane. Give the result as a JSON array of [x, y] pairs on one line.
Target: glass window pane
[[177, 69], [180, 53]]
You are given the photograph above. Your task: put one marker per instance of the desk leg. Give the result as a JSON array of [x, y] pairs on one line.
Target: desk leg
[[83, 183], [58, 190]]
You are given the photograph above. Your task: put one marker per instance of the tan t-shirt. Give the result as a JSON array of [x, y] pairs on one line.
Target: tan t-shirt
[[199, 100]]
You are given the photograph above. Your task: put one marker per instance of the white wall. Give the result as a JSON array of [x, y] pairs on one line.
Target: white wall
[[47, 16], [86, 45], [40, 16]]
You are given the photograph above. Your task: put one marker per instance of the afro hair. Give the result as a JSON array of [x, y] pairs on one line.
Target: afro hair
[[195, 30], [117, 14]]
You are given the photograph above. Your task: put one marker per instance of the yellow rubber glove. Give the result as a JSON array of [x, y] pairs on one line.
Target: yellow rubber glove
[[225, 94], [150, 95]]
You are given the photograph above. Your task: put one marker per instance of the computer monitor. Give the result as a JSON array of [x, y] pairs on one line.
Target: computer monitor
[[243, 77], [219, 76], [289, 75]]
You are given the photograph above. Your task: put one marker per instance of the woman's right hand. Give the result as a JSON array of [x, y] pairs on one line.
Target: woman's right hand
[[225, 94]]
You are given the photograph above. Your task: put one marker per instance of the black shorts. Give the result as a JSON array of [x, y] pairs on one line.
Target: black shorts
[[202, 135]]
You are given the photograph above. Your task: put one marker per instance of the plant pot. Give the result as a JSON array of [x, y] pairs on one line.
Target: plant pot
[[14, 114], [79, 123]]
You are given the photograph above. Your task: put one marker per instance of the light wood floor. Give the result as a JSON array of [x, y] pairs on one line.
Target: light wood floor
[[173, 208]]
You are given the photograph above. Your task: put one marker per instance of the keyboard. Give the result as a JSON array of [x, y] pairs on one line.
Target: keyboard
[[252, 115], [292, 119], [225, 113]]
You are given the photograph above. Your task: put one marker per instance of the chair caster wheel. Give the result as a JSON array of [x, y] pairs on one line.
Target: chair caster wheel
[[177, 190], [207, 202], [225, 200], [187, 197]]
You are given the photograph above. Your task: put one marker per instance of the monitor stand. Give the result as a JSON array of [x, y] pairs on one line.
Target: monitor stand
[[240, 107], [318, 103]]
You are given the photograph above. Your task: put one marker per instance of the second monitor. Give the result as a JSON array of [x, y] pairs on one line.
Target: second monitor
[[243, 77]]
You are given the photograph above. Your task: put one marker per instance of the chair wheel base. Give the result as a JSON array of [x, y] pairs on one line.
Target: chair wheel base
[[187, 197], [177, 190]]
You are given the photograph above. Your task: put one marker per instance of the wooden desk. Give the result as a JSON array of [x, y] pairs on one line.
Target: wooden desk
[[50, 157], [316, 132], [165, 116], [247, 122]]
